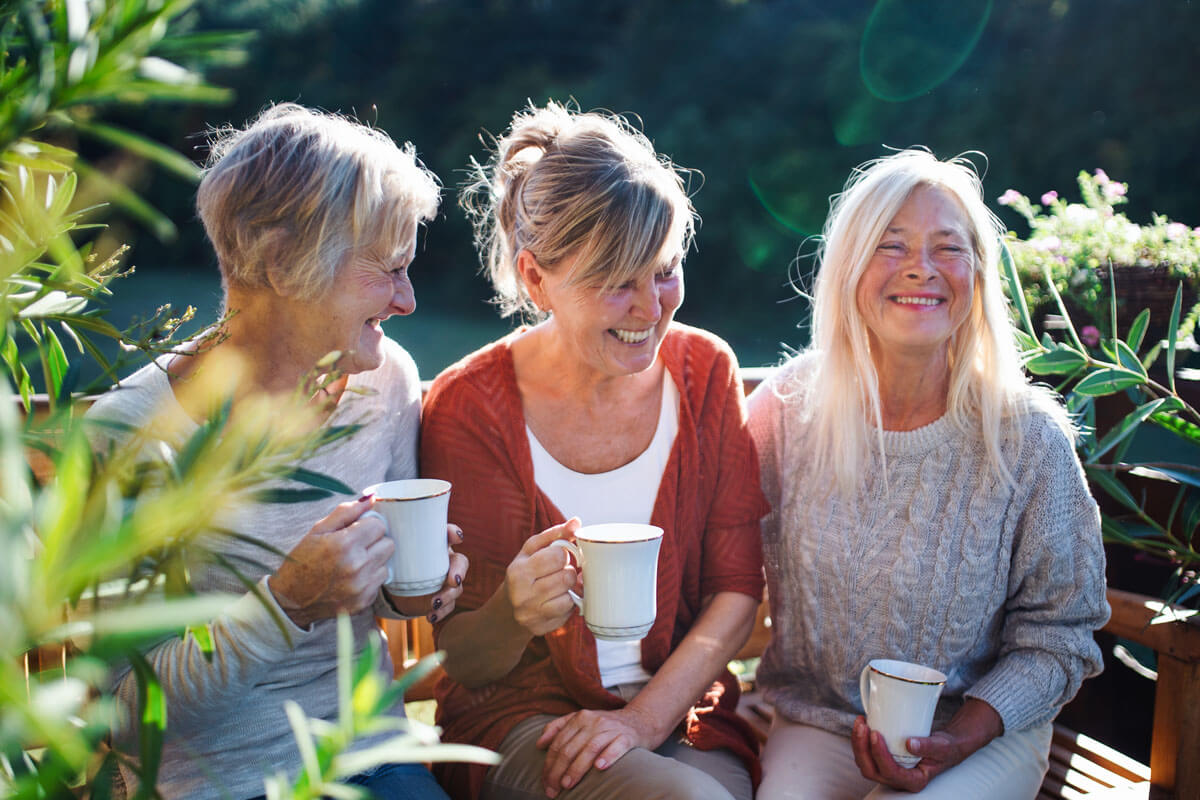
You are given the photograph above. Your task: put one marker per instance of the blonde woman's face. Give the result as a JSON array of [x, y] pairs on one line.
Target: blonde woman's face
[[918, 285]]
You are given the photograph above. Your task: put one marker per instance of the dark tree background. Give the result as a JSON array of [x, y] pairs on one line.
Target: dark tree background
[[773, 101]]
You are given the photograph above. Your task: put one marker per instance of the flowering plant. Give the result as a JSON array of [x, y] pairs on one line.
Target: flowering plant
[[1074, 244]]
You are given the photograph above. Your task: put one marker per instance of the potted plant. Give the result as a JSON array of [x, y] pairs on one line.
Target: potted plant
[[1072, 245]]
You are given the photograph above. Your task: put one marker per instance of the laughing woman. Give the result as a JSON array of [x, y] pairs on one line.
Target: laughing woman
[[607, 411], [314, 219], [927, 506]]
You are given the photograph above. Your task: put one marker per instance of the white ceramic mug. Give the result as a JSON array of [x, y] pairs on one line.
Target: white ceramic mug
[[899, 699], [415, 514], [619, 562]]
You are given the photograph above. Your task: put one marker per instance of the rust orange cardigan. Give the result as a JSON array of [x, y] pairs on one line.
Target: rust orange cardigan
[[709, 505]]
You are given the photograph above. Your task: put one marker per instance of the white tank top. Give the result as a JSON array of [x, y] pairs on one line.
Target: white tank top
[[625, 494]]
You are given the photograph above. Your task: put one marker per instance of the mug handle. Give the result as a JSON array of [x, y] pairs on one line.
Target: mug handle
[[864, 687], [373, 513], [574, 549]]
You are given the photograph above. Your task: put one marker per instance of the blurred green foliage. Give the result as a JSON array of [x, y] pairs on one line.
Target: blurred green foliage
[[774, 101]]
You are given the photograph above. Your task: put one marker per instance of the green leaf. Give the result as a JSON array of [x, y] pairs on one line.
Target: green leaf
[[1062, 360], [153, 722], [1128, 359], [1137, 331], [289, 495], [1172, 333], [1125, 428], [1179, 473], [139, 145], [1113, 487], [1179, 426], [1015, 293], [1108, 381], [318, 480]]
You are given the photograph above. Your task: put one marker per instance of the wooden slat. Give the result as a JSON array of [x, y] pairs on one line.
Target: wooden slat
[[1175, 744], [1141, 619]]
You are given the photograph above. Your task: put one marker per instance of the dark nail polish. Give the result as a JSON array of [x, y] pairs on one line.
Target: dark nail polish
[[364, 498], [437, 603], [458, 580], [432, 617]]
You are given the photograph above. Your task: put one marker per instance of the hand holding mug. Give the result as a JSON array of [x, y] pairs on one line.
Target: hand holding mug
[[338, 566], [537, 581]]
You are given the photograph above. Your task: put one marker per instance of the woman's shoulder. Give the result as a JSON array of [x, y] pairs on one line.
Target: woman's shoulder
[[1045, 426], [695, 350], [133, 398], [481, 374], [793, 376]]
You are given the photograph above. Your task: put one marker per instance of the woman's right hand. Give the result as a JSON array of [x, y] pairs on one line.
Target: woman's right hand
[[338, 566], [537, 581]]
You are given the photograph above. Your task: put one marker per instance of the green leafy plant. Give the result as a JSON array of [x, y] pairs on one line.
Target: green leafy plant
[[1075, 243], [96, 550], [364, 705], [1138, 379]]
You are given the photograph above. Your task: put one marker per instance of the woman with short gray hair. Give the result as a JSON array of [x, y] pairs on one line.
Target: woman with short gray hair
[[314, 218]]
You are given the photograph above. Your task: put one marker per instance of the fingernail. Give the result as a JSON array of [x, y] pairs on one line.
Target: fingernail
[[365, 497], [437, 602], [601, 763], [458, 580], [461, 535], [432, 617], [567, 781]]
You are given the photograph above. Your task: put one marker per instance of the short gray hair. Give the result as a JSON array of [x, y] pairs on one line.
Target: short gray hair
[[286, 200], [562, 183]]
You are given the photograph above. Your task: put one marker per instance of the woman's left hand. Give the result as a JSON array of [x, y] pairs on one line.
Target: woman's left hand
[[975, 724], [577, 742], [442, 603]]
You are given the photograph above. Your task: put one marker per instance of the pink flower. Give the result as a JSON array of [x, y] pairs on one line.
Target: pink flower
[[1177, 231], [1049, 197], [1089, 335], [1101, 176], [1113, 190], [1009, 197]]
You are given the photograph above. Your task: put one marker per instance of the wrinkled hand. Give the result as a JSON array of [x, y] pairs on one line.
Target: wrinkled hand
[[939, 752], [338, 566], [442, 603], [537, 581], [585, 739]]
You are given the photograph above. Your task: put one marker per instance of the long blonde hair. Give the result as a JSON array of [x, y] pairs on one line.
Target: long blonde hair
[[988, 389], [562, 183]]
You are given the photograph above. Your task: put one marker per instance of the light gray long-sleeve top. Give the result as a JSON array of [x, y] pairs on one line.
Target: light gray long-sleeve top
[[226, 725], [1000, 588]]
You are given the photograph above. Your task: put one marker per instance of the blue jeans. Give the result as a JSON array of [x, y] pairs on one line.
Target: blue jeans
[[398, 782]]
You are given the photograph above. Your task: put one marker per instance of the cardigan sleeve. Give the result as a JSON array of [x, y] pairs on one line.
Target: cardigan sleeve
[[1056, 594], [732, 551], [463, 441]]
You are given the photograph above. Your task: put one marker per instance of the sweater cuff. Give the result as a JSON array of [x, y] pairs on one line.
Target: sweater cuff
[[258, 620], [1017, 689]]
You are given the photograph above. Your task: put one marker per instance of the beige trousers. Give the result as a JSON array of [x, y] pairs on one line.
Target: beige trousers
[[675, 771], [801, 762]]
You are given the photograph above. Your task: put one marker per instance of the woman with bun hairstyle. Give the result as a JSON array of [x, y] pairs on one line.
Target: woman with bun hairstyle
[[604, 410]]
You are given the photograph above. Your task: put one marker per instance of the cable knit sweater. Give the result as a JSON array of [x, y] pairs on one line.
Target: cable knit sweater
[[1000, 588], [226, 724]]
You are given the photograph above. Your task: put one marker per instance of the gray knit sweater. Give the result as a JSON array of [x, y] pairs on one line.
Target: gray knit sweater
[[999, 588], [226, 726]]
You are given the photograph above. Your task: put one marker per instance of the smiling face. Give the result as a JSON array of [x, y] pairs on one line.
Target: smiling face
[[371, 286], [611, 331], [918, 286]]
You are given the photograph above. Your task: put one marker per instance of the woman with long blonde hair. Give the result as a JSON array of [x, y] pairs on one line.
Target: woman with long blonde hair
[[927, 506]]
